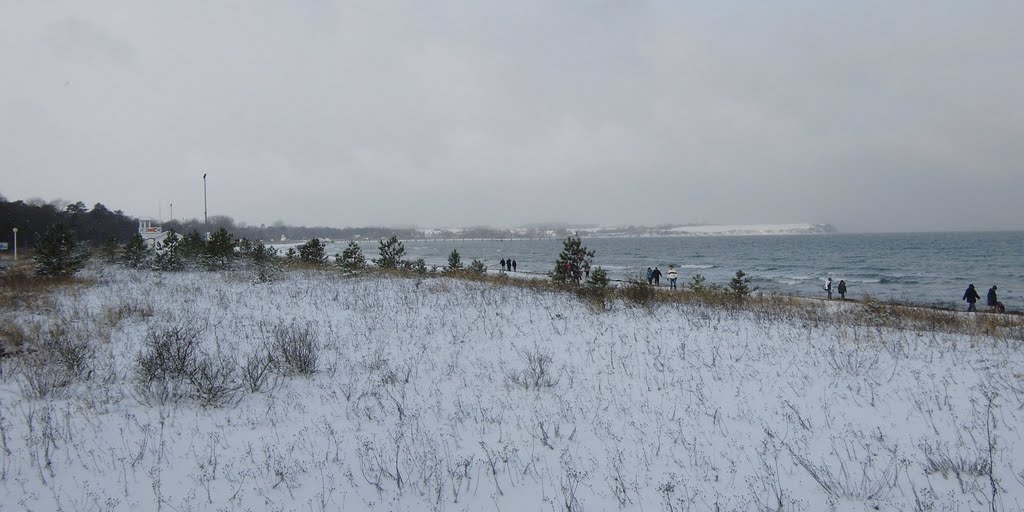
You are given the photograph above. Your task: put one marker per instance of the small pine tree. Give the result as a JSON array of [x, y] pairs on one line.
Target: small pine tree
[[419, 266], [245, 247], [109, 249], [454, 261], [264, 260], [291, 254], [192, 246], [58, 254], [352, 259], [569, 266], [313, 252], [595, 290], [598, 278], [739, 286], [391, 254], [168, 254], [477, 268], [220, 249], [135, 252], [698, 283]]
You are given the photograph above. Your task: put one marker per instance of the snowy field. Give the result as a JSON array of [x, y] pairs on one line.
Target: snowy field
[[439, 394]]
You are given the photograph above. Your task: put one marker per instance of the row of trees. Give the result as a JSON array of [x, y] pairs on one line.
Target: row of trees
[[59, 254], [93, 226], [96, 225], [391, 256]]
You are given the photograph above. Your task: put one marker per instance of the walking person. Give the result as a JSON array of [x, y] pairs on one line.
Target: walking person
[[514, 265], [828, 287], [672, 276], [650, 276], [657, 276], [586, 269], [503, 264], [993, 300], [971, 296], [842, 289]]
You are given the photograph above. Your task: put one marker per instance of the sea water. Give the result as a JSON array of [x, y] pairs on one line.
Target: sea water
[[919, 268]]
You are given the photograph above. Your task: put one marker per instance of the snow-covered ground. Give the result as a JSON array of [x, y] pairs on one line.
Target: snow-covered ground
[[438, 394]]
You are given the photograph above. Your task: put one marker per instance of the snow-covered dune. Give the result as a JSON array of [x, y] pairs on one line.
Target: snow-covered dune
[[437, 394]]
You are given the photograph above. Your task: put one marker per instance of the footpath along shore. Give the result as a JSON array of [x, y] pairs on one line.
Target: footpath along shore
[[663, 288]]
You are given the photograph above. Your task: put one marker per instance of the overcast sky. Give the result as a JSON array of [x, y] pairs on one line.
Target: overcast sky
[[870, 115]]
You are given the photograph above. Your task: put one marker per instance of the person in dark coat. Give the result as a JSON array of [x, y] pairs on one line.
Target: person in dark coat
[[828, 287], [514, 265], [993, 300], [656, 275], [503, 264], [971, 296], [842, 289]]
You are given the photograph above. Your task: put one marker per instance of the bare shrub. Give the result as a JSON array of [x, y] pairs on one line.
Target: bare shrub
[[296, 348], [256, 371], [169, 353], [39, 379], [58, 356], [213, 381], [539, 371], [170, 357], [73, 352]]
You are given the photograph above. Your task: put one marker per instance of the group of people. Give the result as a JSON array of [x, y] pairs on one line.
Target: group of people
[[841, 288], [654, 276], [509, 264], [971, 296]]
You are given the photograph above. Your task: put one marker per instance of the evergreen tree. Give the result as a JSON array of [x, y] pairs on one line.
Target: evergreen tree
[[351, 259], [109, 249], [192, 246], [698, 283], [454, 261], [391, 253], [598, 278], [220, 249], [313, 252], [245, 247], [739, 286], [569, 266], [419, 266], [135, 252], [168, 254], [477, 267], [264, 260], [58, 254], [291, 254]]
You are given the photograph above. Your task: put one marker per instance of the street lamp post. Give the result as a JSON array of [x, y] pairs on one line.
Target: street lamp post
[[15, 245], [206, 218]]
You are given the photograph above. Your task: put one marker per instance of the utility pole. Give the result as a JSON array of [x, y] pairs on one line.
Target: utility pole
[[206, 218], [15, 245], [172, 212]]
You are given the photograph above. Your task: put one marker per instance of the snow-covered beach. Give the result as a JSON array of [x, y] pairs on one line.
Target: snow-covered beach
[[432, 393]]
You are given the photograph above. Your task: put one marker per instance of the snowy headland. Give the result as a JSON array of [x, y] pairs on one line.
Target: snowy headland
[[324, 392]]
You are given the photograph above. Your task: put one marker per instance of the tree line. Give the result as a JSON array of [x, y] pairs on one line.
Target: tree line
[[99, 225]]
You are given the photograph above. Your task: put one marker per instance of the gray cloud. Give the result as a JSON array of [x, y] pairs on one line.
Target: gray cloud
[[871, 116]]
